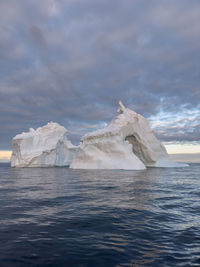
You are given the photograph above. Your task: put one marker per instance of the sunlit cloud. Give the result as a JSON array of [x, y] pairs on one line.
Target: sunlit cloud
[[5, 155], [182, 148]]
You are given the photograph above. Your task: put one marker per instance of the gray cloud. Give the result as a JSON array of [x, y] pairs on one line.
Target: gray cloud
[[71, 61]]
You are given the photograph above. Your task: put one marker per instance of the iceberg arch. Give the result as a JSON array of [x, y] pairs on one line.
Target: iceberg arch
[[127, 142]]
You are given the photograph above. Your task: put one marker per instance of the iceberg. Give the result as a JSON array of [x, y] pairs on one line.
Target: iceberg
[[46, 146], [127, 143]]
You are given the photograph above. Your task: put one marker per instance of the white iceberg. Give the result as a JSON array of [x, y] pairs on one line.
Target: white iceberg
[[127, 142], [46, 146]]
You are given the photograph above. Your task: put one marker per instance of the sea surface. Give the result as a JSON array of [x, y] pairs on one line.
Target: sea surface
[[64, 217]]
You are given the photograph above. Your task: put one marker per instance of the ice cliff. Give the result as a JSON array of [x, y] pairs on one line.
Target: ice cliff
[[127, 142], [44, 147]]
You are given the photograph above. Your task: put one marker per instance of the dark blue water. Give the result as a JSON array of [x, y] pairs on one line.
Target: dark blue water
[[63, 217]]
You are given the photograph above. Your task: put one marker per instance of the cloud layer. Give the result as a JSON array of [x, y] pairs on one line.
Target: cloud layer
[[70, 61]]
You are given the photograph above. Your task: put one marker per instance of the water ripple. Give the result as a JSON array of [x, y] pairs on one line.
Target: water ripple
[[63, 217]]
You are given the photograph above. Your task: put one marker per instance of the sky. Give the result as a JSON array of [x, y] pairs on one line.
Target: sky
[[71, 61]]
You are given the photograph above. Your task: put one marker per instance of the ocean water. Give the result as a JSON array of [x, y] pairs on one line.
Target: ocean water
[[64, 217]]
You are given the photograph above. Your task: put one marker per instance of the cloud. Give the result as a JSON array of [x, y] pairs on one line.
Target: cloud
[[179, 125], [71, 61]]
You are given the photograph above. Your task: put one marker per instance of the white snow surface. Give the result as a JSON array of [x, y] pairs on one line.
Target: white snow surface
[[46, 146], [127, 142]]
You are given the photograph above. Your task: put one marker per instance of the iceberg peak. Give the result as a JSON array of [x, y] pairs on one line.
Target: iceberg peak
[[121, 108], [43, 147]]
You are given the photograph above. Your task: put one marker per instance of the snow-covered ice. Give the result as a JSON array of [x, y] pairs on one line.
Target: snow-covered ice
[[127, 142], [44, 147]]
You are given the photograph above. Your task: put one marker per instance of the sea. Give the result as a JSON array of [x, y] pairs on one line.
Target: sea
[[64, 217]]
